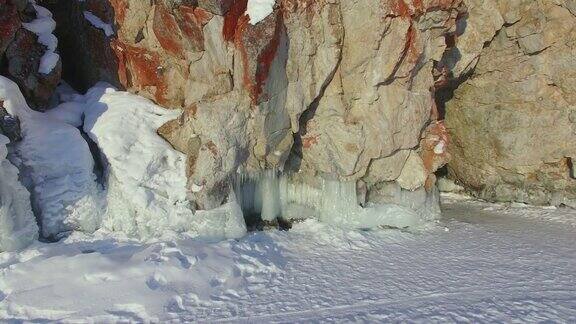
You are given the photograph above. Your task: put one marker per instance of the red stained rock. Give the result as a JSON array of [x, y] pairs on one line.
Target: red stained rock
[[217, 7], [140, 69], [9, 23], [232, 18], [308, 142], [258, 45], [167, 31], [415, 8], [120, 7], [434, 146], [191, 21]]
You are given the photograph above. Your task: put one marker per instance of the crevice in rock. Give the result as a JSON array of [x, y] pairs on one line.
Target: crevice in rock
[[86, 51], [572, 172], [446, 93]]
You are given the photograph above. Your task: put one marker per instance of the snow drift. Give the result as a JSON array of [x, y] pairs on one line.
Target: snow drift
[[17, 224], [57, 166], [145, 177]]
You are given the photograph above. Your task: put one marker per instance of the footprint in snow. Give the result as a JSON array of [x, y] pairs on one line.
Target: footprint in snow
[[185, 261], [156, 281]]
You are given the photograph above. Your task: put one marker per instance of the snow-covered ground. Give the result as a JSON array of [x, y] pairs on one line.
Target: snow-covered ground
[[481, 263]]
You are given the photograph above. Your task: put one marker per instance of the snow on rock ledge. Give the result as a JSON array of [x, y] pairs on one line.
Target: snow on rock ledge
[[98, 23], [43, 26], [17, 224], [146, 177], [28, 50], [258, 10]]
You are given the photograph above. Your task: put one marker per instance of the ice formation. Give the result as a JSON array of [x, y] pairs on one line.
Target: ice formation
[[17, 223], [258, 10], [43, 26], [144, 190], [146, 183], [272, 195]]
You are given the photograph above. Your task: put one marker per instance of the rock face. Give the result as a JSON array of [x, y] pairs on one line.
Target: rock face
[[21, 53], [513, 120], [328, 89]]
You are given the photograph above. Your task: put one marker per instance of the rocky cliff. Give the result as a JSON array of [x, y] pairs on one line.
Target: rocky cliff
[[320, 89], [366, 98], [512, 116]]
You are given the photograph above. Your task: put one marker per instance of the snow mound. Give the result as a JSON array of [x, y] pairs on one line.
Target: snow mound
[[258, 10], [17, 223], [57, 164], [43, 26], [146, 177]]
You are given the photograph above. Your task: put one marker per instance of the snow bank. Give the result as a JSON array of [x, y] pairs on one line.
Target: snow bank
[[98, 23], [58, 166], [43, 26], [146, 177], [17, 223], [258, 10]]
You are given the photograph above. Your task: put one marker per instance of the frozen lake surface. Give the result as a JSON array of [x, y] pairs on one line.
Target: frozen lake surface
[[482, 263]]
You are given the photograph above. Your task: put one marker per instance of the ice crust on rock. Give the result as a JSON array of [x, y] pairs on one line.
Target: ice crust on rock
[[17, 223]]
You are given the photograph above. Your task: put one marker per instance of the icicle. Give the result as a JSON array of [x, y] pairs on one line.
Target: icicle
[[270, 195]]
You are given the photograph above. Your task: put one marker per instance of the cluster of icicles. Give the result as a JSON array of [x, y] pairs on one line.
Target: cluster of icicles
[[272, 195]]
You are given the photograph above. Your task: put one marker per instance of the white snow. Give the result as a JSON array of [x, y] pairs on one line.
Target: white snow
[[68, 112], [476, 266], [98, 23], [17, 223], [57, 164], [145, 177], [439, 148], [43, 26], [258, 10]]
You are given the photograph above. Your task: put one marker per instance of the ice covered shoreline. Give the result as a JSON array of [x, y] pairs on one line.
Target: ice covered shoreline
[[479, 265]]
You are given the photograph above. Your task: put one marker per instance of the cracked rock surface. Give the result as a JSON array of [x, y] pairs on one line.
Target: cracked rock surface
[[329, 89], [512, 121]]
